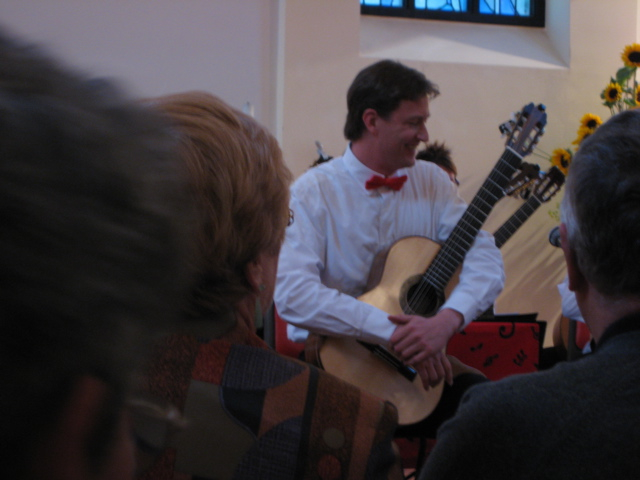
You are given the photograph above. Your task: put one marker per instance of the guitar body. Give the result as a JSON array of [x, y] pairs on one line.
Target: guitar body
[[347, 359]]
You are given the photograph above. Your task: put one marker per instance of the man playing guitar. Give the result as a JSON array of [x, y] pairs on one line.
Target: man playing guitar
[[349, 210]]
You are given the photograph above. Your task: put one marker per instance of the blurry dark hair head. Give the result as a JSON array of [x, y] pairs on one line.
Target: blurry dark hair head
[[382, 87], [239, 188], [91, 245], [439, 154], [601, 206]]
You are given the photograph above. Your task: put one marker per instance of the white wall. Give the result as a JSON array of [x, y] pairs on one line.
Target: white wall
[[294, 59], [227, 47]]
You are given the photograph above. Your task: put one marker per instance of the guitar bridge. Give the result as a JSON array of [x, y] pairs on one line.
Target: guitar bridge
[[403, 369]]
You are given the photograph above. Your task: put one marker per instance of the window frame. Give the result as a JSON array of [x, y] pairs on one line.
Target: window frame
[[537, 19]]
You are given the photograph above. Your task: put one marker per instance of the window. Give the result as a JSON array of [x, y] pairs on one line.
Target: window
[[504, 12]]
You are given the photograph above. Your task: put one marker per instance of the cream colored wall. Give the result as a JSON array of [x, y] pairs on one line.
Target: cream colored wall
[[482, 79]]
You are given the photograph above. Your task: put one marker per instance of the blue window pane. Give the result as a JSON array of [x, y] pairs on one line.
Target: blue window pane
[[442, 5], [506, 7], [383, 3], [523, 8], [506, 12], [487, 7]]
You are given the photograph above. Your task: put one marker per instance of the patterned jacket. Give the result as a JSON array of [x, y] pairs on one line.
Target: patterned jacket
[[254, 414]]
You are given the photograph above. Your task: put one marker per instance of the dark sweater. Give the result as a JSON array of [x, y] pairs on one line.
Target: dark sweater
[[580, 420]]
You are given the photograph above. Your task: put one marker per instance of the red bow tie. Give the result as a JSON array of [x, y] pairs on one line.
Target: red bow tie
[[394, 183]]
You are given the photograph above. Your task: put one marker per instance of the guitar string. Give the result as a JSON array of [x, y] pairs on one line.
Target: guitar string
[[441, 264], [489, 202], [487, 195], [511, 226], [434, 272], [547, 186], [516, 221], [543, 191]]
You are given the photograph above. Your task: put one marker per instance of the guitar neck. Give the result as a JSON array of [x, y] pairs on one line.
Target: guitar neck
[[505, 232], [452, 253], [545, 188]]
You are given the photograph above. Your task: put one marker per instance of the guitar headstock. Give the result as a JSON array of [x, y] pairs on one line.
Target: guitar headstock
[[549, 184], [525, 129], [520, 183]]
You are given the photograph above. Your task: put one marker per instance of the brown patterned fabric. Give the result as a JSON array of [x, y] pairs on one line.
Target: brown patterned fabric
[[254, 414]]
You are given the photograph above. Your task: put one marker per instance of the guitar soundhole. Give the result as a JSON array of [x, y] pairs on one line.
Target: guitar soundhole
[[420, 298]]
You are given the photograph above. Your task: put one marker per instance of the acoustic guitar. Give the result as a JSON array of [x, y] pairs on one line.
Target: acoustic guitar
[[417, 276]]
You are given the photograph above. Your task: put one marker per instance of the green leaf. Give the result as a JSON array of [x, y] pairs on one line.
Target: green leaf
[[625, 73]]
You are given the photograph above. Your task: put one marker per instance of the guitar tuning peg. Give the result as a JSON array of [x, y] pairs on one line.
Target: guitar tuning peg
[[507, 127], [522, 181], [320, 150], [322, 157]]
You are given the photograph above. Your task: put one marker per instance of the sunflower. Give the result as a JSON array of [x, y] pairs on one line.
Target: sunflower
[[631, 55], [561, 158], [612, 93], [590, 121], [583, 132]]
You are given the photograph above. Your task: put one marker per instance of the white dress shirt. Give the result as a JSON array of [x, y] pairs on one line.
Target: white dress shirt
[[569, 303], [338, 229]]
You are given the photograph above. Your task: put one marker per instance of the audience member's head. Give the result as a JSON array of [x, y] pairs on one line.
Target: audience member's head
[[240, 190], [382, 87], [439, 154], [251, 412], [91, 258], [601, 211]]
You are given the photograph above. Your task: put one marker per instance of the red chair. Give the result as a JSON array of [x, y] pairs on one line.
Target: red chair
[[503, 346], [283, 344]]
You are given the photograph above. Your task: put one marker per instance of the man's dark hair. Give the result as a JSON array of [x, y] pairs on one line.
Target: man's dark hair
[[382, 86], [91, 244]]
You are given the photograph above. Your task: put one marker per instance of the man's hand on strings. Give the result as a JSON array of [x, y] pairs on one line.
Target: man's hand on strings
[[420, 342], [434, 369]]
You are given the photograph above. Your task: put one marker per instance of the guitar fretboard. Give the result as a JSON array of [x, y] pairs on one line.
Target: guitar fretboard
[[452, 253], [505, 232], [546, 187]]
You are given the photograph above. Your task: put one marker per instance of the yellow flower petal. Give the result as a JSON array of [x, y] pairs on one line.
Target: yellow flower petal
[[561, 158], [590, 121], [583, 132], [631, 55], [612, 93]]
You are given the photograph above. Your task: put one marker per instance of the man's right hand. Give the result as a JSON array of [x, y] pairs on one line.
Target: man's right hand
[[420, 343], [434, 369]]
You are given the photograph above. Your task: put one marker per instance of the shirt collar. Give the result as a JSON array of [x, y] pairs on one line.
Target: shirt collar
[[360, 172]]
